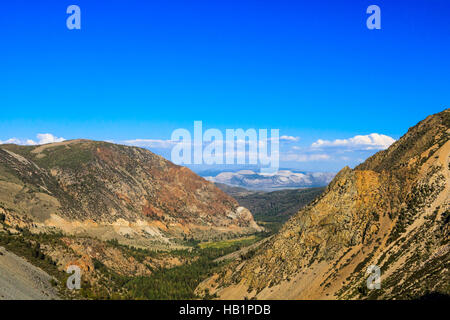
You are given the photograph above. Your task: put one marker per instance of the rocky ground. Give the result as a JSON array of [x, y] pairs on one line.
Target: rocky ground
[[20, 280]]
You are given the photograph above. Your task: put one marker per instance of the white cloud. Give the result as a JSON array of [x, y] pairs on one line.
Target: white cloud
[[304, 157], [289, 138], [151, 143], [30, 142], [373, 141], [12, 140], [43, 138], [168, 144]]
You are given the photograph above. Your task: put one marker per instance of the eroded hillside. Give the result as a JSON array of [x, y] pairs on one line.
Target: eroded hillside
[[113, 192], [391, 211]]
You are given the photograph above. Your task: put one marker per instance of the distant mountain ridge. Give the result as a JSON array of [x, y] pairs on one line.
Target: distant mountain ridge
[[283, 179], [392, 211]]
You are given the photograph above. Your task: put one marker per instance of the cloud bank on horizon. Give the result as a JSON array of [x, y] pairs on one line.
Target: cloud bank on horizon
[[341, 152], [373, 141], [329, 153], [43, 138]]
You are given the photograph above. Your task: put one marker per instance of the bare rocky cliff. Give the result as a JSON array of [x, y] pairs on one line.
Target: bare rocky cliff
[[392, 211], [112, 191]]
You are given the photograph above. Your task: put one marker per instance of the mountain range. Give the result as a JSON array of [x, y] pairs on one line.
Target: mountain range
[[283, 179], [141, 227]]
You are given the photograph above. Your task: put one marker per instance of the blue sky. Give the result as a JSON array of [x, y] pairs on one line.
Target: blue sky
[[140, 69]]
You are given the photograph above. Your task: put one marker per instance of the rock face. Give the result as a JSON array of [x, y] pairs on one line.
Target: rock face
[[392, 211], [113, 191], [20, 280]]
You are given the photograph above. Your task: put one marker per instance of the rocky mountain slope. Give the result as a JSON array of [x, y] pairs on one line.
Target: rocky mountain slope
[[112, 191], [392, 211]]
